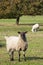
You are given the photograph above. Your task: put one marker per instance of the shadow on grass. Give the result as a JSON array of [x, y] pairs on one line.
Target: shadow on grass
[[27, 24], [31, 24], [40, 29], [2, 45], [30, 58], [34, 58]]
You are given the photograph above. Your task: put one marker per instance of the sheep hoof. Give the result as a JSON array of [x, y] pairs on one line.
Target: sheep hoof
[[19, 60], [24, 59], [12, 59]]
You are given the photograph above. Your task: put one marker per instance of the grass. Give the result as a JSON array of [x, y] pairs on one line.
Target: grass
[[34, 53], [24, 20], [31, 19]]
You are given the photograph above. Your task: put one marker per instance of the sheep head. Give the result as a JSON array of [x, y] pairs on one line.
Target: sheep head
[[23, 36]]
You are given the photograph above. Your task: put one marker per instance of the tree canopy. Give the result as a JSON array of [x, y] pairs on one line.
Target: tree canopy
[[17, 8]]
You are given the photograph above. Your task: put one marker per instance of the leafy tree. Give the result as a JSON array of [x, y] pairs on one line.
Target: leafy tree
[[17, 8]]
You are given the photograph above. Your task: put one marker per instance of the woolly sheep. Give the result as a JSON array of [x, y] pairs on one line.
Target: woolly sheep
[[35, 27], [18, 43]]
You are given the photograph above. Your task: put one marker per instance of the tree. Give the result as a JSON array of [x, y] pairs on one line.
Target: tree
[[17, 8]]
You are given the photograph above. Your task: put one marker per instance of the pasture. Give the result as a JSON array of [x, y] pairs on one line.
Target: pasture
[[34, 53]]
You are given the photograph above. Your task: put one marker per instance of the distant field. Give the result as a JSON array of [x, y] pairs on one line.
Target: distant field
[[34, 53], [25, 20], [31, 19]]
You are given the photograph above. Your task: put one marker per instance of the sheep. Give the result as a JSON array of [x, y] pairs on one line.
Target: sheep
[[35, 27], [16, 43]]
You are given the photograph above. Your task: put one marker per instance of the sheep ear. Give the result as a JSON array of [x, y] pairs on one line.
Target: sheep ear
[[26, 31], [19, 32]]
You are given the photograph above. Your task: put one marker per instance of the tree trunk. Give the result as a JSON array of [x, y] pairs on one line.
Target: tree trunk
[[17, 20]]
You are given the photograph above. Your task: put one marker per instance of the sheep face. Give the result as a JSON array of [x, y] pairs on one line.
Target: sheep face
[[23, 36]]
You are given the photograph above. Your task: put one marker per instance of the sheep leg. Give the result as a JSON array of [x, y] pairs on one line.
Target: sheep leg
[[24, 55], [12, 58], [35, 30], [11, 55], [19, 55]]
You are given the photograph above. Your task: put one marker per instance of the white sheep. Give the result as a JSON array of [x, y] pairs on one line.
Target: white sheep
[[16, 43], [35, 27]]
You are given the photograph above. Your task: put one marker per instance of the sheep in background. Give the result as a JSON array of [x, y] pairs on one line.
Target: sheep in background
[[35, 28], [16, 43]]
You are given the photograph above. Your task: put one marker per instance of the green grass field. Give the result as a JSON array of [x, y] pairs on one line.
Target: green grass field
[[34, 53]]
